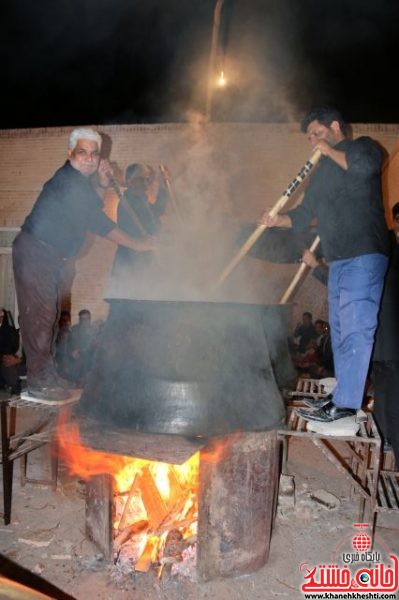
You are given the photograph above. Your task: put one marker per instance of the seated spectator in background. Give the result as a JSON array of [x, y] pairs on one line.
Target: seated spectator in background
[[62, 357], [317, 360], [11, 365], [309, 359], [303, 334], [325, 362], [319, 325], [305, 361], [82, 340], [327, 357]]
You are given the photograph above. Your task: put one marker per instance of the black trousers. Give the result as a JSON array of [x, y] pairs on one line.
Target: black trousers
[[38, 275], [385, 376]]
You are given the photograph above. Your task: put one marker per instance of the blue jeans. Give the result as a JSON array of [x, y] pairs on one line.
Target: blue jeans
[[354, 294]]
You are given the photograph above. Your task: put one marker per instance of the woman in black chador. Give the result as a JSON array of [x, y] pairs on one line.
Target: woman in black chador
[[139, 210]]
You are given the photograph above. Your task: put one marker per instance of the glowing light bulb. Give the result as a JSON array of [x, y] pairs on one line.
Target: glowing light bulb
[[221, 80]]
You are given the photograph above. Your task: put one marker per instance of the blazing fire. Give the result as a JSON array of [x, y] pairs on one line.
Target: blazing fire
[[155, 503]]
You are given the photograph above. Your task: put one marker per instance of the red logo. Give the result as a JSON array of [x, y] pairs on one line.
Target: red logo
[[361, 542]]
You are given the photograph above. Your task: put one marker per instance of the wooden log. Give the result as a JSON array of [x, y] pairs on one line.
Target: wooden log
[[128, 532], [148, 556], [174, 517], [152, 499], [174, 546], [176, 524], [236, 506], [99, 512], [134, 487], [175, 489]]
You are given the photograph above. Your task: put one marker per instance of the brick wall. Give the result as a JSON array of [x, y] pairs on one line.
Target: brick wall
[[247, 167]]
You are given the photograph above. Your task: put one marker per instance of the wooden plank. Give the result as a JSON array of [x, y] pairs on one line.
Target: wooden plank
[[125, 534], [133, 488], [99, 512], [381, 493], [173, 520], [175, 489], [390, 490], [153, 502], [148, 556]]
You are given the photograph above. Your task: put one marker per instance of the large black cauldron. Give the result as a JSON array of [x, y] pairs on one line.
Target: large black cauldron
[[189, 368]]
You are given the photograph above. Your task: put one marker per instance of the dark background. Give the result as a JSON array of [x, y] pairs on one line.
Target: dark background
[[71, 62]]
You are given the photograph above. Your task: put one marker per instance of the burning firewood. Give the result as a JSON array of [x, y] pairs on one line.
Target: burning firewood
[[177, 516], [181, 524], [128, 532], [175, 488], [135, 485], [152, 499], [174, 547], [148, 556], [173, 553]]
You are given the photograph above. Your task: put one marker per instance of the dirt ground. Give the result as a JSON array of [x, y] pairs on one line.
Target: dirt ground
[[46, 539]]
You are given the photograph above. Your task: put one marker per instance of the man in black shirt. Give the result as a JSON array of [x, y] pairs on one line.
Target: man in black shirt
[[344, 194], [68, 206]]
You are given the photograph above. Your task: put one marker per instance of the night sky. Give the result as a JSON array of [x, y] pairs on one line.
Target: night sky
[[71, 62]]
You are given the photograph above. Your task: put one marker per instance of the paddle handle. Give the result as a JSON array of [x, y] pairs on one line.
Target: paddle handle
[[281, 202], [288, 292]]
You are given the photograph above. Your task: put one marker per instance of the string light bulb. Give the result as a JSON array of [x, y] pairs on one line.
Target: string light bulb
[[221, 79]]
